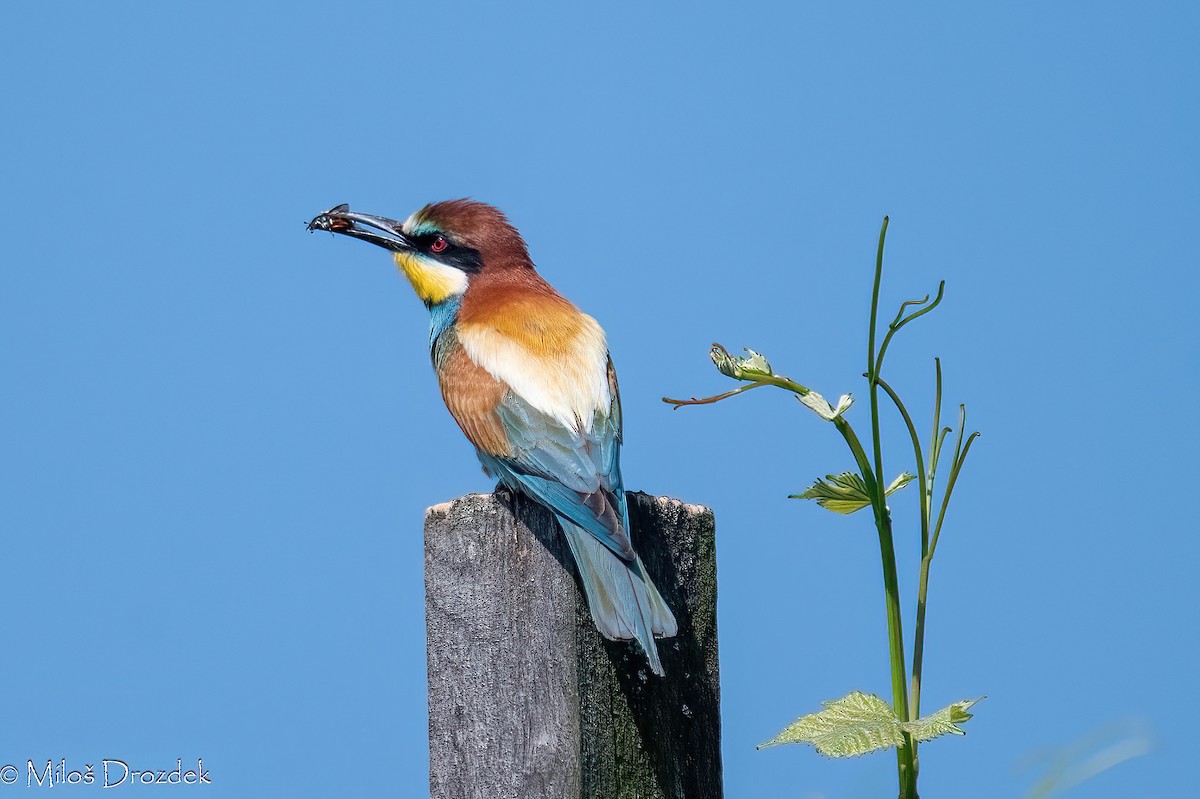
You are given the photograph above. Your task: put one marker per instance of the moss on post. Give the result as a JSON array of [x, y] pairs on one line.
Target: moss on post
[[526, 699]]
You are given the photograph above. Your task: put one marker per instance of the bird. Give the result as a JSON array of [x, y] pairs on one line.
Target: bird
[[529, 380]]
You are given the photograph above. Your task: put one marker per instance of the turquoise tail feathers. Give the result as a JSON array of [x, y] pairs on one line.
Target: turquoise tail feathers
[[624, 603]]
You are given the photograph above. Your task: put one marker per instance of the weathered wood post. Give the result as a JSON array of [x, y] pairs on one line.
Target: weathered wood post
[[526, 699]]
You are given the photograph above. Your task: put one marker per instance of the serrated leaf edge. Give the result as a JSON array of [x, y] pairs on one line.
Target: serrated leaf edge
[[878, 727]]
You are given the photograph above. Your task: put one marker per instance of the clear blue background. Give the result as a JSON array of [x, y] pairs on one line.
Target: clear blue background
[[218, 433]]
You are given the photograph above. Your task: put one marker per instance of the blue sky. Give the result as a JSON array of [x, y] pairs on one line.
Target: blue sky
[[218, 433]]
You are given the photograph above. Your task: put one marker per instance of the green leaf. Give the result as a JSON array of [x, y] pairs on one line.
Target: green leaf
[[821, 407], [843, 493], [749, 368], [853, 725], [900, 482], [943, 722], [846, 492], [859, 723]]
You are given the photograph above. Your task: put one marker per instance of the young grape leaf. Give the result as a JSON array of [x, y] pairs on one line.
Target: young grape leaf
[[860, 723], [748, 368], [942, 722], [846, 492], [853, 725], [820, 406]]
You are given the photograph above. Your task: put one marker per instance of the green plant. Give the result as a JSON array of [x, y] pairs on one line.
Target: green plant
[[860, 723]]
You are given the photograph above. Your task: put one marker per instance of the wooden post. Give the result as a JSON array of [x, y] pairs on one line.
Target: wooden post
[[526, 699]]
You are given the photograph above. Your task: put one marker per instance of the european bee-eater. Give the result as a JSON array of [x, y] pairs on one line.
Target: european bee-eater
[[528, 378]]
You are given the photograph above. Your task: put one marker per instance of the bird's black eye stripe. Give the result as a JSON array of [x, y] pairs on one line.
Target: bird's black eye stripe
[[451, 254], [426, 240]]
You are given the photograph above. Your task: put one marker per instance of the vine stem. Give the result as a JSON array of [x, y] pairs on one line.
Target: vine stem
[[679, 403], [922, 480], [906, 754], [906, 700]]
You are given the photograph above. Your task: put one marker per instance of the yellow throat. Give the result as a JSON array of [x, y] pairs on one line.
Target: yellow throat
[[434, 282]]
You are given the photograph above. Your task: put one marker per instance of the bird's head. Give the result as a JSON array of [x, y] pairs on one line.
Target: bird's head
[[441, 247]]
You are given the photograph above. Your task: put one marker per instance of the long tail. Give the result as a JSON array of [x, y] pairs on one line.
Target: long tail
[[624, 602]]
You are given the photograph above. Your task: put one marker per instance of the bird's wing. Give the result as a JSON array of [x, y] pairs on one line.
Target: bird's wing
[[575, 471]]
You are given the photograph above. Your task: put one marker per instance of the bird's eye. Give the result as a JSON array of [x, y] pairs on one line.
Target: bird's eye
[[439, 245]]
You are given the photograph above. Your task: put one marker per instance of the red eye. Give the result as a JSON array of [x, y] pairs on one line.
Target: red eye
[[439, 245]]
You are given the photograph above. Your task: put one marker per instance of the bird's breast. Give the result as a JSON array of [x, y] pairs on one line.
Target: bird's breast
[[550, 354], [472, 396]]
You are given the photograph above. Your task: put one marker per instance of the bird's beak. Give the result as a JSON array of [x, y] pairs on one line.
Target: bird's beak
[[375, 229]]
